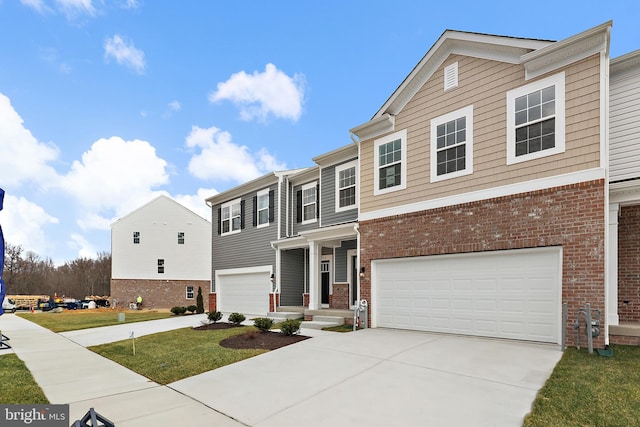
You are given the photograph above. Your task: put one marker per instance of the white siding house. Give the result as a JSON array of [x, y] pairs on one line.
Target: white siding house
[[162, 252]]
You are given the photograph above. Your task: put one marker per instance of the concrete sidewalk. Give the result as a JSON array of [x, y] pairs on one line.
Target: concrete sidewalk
[[373, 377], [69, 373]]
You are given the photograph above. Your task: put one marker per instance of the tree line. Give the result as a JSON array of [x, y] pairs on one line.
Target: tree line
[[25, 273]]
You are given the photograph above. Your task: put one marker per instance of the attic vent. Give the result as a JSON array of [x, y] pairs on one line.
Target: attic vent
[[451, 76]]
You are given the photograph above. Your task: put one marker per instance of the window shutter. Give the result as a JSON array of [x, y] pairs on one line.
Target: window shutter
[[271, 205], [318, 201], [241, 214], [255, 211], [299, 206], [219, 221]]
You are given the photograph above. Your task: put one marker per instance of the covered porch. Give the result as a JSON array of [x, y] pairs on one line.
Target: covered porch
[[317, 270]]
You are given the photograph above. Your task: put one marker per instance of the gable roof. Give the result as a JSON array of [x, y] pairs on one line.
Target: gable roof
[[538, 56], [161, 197]]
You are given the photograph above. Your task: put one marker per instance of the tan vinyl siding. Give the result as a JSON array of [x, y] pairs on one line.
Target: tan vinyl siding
[[484, 84]]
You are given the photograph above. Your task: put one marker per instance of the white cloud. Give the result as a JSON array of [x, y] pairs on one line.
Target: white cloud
[[84, 248], [17, 144], [130, 4], [125, 53], [23, 223], [73, 8], [172, 107], [37, 5], [263, 93], [218, 158], [196, 202], [112, 178]]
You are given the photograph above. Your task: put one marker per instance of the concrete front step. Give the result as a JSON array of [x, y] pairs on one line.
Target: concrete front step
[[284, 315], [320, 322]]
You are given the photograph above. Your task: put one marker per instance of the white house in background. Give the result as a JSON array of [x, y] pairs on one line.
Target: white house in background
[[162, 252]]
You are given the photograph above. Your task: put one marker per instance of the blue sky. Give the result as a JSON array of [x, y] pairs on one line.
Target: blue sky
[[106, 104]]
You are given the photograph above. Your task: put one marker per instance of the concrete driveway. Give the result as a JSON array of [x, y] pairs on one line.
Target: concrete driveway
[[381, 377], [373, 377]]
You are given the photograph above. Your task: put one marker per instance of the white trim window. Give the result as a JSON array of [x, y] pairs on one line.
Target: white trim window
[[136, 237], [181, 237], [262, 200], [346, 186], [390, 163], [536, 119], [309, 202], [190, 292], [452, 145], [231, 217], [160, 266]]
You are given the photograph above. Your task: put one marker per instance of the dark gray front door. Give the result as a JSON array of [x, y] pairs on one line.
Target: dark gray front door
[[324, 270], [354, 279]]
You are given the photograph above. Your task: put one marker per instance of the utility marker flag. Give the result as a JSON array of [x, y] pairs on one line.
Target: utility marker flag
[[2, 291]]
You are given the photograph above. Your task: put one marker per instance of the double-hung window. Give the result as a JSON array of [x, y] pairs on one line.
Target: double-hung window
[[309, 202], [346, 186], [136, 237], [181, 237], [390, 161], [231, 217], [160, 266], [262, 208], [189, 293], [452, 144], [535, 120]]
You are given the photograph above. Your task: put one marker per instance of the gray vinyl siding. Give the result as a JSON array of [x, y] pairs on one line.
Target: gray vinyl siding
[[328, 212], [282, 207], [250, 247], [341, 260], [625, 126], [292, 277], [298, 226]]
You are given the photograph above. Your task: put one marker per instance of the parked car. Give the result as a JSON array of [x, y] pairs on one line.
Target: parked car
[[71, 305], [47, 304], [8, 305]]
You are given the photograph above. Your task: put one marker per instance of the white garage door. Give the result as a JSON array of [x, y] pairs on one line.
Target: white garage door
[[246, 293], [504, 294]]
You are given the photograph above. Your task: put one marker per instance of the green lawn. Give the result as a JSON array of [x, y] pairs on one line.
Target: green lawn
[[589, 390], [17, 384], [171, 356], [71, 320]]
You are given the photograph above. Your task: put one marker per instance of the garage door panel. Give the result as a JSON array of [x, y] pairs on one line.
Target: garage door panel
[[506, 294], [246, 293]]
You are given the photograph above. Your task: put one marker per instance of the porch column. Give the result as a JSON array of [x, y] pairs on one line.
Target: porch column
[[314, 275], [611, 293]]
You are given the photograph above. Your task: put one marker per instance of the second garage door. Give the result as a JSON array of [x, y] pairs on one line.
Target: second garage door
[[505, 294], [246, 293]]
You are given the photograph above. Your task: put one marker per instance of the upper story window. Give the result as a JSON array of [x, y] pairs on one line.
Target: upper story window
[[452, 144], [190, 292], [390, 163], [181, 238], [136, 237], [535, 120], [346, 186], [231, 217], [263, 207], [160, 266], [307, 203]]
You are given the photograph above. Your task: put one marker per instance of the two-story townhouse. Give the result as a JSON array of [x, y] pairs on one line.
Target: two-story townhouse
[[161, 252], [623, 309], [484, 188], [245, 219], [317, 254]]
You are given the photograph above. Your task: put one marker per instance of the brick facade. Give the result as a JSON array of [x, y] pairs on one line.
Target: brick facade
[[213, 302], [156, 294], [629, 264], [340, 297], [570, 216]]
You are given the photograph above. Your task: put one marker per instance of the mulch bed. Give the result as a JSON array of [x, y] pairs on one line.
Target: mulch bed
[[253, 338]]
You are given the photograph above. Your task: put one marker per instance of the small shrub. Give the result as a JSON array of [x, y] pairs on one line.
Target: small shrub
[[199, 301], [236, 318], [251, 335], [177, 310], [214, 316], [192, 309], [290, 327], [263, 323]]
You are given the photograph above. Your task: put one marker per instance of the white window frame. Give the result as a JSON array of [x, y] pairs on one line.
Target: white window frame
[[181, 237], [229, 205], [259, 194], [193, 293], [313, 185], [340, 168], [136, 237], [557, 80], [402, 136], [161, 265], [466, 112]]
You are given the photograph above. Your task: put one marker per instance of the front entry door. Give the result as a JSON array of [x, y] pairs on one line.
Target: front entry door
[[325, 272], [354, 279]]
